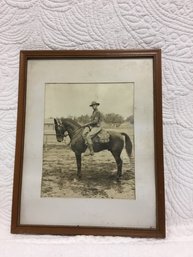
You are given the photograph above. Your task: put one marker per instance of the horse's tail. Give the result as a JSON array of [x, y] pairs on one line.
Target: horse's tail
[[128, 144]]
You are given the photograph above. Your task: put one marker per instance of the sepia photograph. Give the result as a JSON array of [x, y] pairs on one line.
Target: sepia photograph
[[89, 145], [88, 148]]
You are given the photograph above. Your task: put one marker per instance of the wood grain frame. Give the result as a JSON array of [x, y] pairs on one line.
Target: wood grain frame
[[16, 227]]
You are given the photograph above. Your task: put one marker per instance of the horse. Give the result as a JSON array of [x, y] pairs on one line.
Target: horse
[[67, 126]]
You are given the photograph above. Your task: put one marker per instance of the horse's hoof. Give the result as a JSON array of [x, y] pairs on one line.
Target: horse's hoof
[[118, 179], [79, 176]]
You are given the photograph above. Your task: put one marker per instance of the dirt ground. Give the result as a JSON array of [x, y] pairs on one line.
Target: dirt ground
[[98, 180]]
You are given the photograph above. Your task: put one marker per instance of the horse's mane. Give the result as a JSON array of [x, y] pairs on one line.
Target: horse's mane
[[71, 121]]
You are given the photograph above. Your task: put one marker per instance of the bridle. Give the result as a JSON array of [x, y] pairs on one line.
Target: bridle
[[59, 128]]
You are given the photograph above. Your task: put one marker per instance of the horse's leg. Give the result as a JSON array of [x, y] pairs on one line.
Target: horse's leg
[[78, 162], [119, 163]]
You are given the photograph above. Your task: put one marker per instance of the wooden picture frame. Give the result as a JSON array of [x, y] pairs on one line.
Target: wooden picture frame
[[78, 69]]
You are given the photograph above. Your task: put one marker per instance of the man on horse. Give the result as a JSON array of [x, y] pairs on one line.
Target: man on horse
[[92, 128]]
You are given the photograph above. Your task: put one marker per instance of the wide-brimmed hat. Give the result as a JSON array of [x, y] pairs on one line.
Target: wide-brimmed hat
[[94, 103]]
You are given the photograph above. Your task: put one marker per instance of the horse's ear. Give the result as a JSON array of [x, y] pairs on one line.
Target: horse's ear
[[55, 122], [59, 121]]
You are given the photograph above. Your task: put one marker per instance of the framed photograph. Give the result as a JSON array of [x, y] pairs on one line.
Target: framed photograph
[[89, 147]]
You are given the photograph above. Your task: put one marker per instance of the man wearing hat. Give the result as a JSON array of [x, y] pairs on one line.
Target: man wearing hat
[[92, 128]]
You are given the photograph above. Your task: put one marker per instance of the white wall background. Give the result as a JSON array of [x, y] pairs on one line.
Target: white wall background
[[105, 24]]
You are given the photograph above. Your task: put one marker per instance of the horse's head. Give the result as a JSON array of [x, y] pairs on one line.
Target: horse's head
[[60, 130]]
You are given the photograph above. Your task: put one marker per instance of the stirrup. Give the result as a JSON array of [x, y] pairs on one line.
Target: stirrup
[[88, 152], [92, 153]]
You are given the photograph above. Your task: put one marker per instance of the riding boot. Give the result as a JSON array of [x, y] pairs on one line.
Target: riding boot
[[89, 150]]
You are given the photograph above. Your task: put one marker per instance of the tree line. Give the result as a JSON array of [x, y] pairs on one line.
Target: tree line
[[109, 118]]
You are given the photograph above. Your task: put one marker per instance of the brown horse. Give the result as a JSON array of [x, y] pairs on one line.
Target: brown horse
[[115, 145]]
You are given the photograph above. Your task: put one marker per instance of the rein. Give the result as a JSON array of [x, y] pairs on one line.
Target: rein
[[77, 131]]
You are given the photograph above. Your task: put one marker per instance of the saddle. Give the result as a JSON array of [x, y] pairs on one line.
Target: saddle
[[102, 137]]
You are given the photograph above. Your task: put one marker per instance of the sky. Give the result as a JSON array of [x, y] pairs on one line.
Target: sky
[[63, 100]]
